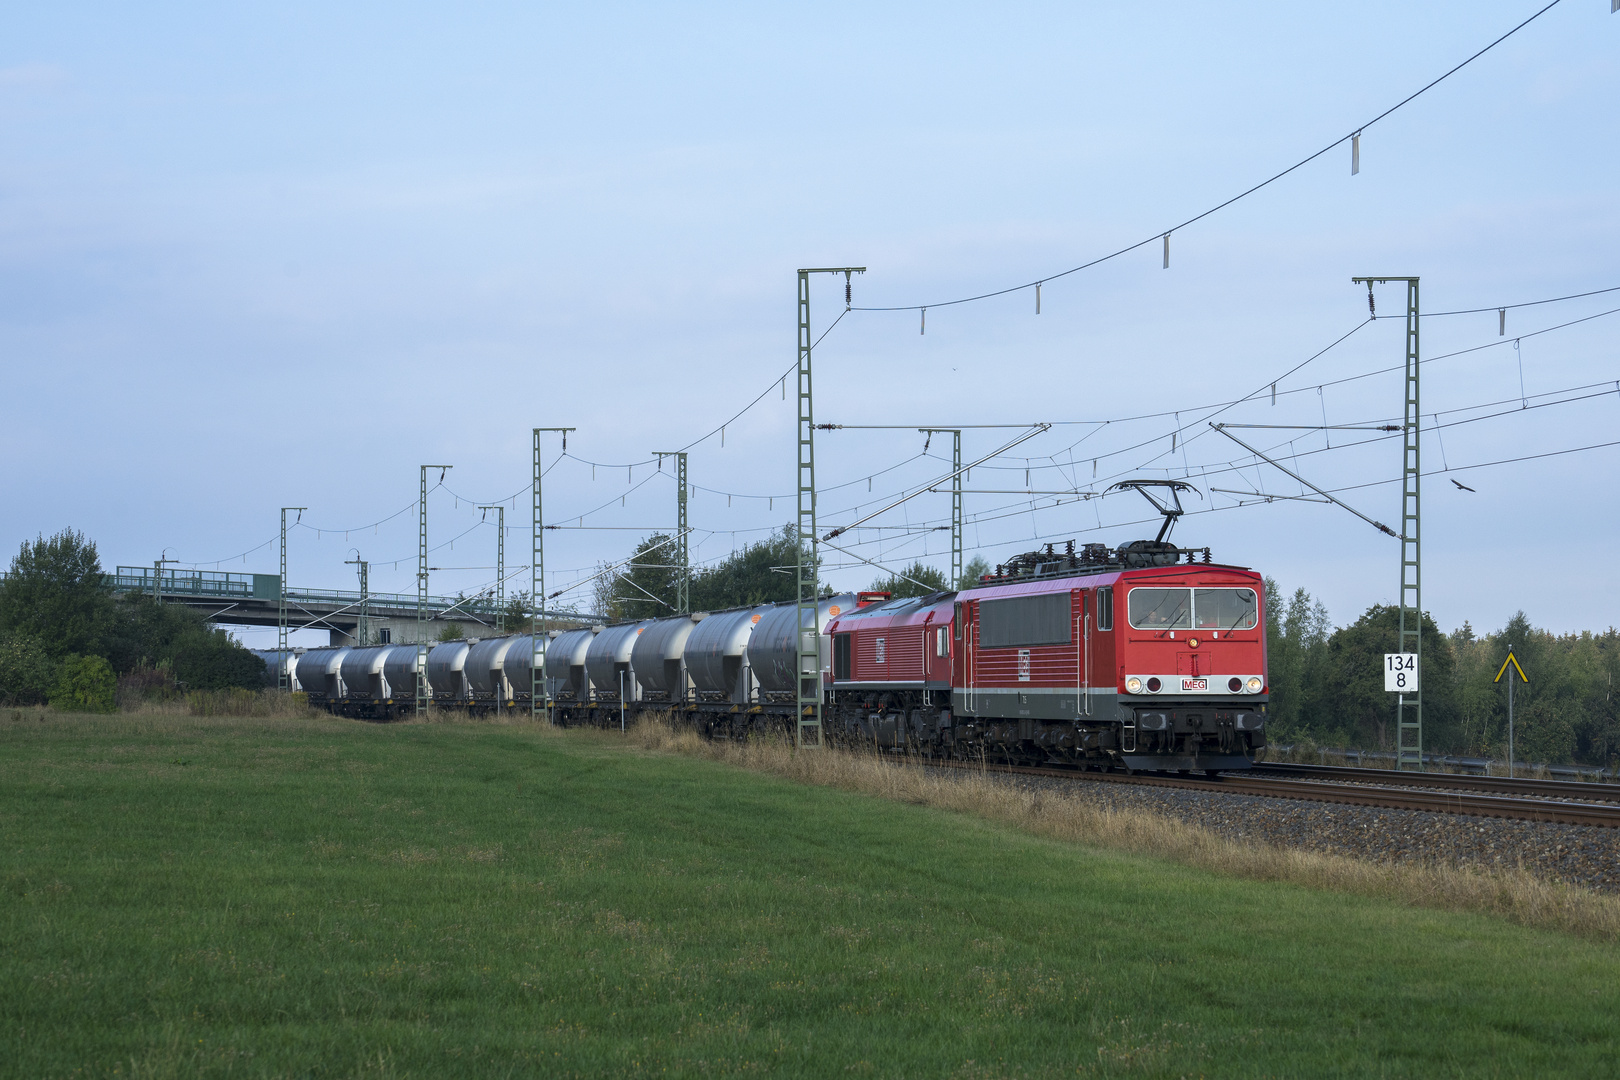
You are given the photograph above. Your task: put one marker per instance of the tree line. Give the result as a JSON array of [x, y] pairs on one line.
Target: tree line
[[645, 585], [67, 640], [1326, 682], [1327, 685]]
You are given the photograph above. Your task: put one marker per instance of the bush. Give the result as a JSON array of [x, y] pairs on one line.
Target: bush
[[178, 640], [146, 683], [85, 684], [26, 672]]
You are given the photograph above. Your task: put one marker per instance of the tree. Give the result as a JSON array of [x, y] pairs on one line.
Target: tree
[[27, 675], [56, 594], [917, 579], [85, 684], [179, 639], [762, 573], [517, 611], [1296, 653], [1544, 710], [451, 631], [645, 587], [1353, 703], [602, 602], [976, 567]]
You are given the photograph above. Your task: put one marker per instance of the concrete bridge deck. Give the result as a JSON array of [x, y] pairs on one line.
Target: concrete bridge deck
[[255, 600]]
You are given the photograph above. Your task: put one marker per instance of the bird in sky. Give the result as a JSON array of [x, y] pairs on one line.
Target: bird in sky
[[1464, 487]]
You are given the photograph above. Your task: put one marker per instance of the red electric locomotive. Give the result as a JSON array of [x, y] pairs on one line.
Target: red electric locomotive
[[1126, 657]]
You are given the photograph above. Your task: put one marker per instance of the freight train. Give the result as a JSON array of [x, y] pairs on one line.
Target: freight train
[[1144, 657]]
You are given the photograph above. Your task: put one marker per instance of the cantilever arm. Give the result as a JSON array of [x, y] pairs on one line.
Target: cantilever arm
[[1380, 526]]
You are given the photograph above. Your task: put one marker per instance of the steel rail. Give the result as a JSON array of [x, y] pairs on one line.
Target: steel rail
[[1437, 802], [1558, 789]]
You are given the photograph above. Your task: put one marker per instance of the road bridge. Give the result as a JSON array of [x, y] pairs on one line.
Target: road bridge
[[255, 600]]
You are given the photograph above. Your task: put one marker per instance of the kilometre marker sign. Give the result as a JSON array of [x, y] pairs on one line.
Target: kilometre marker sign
[[1400, 672]]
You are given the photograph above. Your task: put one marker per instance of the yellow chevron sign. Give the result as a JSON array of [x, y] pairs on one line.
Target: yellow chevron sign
[[1514, 660]]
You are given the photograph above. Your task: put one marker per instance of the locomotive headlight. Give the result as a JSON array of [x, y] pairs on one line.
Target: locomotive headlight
[[1255, 684], [1133, 685]]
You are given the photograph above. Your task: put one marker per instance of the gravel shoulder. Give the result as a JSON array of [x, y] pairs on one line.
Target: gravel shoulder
[[1582, 855]]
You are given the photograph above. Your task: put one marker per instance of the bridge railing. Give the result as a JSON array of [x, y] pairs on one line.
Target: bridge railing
[[217, 585], [184, 582]]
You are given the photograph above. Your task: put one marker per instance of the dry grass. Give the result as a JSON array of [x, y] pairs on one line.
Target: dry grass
[[247, 704], [1511, 894]]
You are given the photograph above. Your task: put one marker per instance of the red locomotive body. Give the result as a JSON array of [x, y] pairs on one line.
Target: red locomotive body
[[895, 644], [1127, 657]]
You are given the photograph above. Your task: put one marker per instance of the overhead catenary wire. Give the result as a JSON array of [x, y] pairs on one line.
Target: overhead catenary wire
[[1164, 234], [1237, 466], [1018, 509], [1097, 425], [1220, 407], [1508, 307]]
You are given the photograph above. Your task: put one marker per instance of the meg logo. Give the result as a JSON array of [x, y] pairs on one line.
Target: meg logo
[[1195, 684]]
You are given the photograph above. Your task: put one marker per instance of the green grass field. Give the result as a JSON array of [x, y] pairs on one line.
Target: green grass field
[[287, 898]]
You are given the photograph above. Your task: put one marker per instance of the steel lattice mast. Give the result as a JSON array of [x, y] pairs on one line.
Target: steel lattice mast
[[281, 603], [539, 699], [956, 500], [362, 630], [423, 691], [683, 564], [1409, 707], [500, 565], [807, 713]]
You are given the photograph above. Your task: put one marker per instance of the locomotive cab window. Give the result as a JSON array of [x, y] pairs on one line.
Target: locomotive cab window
[[1105, 608], [1225, 609], [841, 663], [1161, 609], [942, 642], [1184, 609]]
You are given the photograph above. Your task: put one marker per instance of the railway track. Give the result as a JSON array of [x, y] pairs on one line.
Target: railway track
[[1527, 806], [1502, 785]]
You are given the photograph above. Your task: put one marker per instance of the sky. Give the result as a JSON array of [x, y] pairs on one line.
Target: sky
[[284, 256]]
